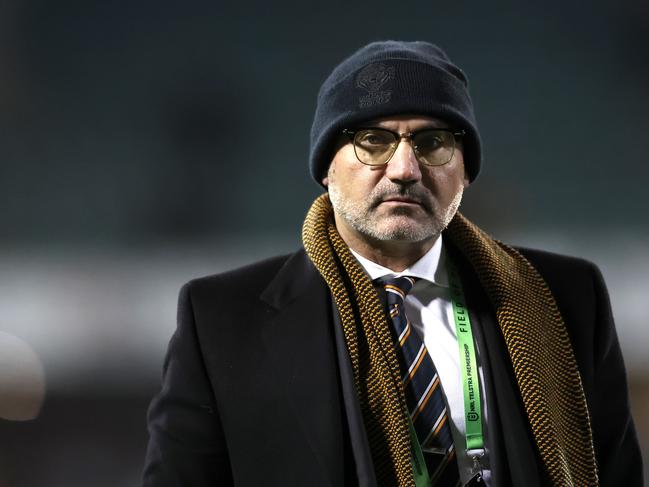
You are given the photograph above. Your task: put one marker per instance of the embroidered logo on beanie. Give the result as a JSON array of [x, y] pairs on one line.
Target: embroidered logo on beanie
[[372, 79]]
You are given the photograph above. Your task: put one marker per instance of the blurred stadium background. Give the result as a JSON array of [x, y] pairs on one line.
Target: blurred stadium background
[[146, 143]]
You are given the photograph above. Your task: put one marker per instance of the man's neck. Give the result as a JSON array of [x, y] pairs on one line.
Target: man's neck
[[396, 255]]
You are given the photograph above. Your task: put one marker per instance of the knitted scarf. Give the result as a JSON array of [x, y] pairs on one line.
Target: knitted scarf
[[533, 329]]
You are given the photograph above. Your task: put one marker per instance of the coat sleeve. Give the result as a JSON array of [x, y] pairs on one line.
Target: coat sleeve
[[614, 436], [186, 442]]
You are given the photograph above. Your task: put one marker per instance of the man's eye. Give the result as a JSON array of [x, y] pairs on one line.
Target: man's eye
[[373, 138], [430, 142]]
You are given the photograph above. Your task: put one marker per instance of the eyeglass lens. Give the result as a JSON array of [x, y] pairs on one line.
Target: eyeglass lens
[[376, 146]]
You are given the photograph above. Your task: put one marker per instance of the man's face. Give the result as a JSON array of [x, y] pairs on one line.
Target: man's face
[[402, 200]]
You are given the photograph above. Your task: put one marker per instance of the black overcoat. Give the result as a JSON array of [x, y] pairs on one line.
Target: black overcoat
[[254, 393]]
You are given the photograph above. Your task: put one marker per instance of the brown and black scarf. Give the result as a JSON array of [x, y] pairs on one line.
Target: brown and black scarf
[[533, 329]]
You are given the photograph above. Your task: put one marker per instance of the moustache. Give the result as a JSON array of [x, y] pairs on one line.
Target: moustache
[[418, 194]]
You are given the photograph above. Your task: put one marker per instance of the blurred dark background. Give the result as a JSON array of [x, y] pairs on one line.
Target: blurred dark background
[[145, 143]]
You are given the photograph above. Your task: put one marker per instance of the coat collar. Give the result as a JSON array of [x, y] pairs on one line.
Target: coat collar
[[296, 276]]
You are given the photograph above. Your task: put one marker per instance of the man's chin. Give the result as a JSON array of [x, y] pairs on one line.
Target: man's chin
[[409, 231]]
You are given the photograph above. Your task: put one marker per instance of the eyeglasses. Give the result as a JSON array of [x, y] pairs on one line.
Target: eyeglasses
[[376, 146]]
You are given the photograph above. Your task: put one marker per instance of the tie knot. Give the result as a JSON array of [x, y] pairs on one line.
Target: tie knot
[[397, 288]]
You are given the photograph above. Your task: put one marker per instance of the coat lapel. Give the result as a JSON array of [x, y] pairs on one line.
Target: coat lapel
[[299, 338]]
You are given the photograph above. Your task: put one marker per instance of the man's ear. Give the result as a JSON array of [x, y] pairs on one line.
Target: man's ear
[[466, 179], [325, 179]]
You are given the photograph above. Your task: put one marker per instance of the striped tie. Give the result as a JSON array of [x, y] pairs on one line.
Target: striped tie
[[421, 386]]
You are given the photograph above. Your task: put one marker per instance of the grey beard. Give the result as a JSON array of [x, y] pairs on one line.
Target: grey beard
[[363, 220]]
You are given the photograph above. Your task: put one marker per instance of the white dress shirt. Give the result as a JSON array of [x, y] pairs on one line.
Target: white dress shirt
[[429, 309]]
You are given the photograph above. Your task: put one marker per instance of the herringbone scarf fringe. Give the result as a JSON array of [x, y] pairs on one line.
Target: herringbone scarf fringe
[[534, 332]]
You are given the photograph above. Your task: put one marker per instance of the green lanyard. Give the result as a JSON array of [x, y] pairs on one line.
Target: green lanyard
[[470, 383], [468, 363]]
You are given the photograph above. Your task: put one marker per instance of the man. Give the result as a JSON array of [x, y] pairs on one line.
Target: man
[[402, 346]]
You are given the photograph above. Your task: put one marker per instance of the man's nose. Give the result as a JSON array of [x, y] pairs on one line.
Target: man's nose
[[403, 167]]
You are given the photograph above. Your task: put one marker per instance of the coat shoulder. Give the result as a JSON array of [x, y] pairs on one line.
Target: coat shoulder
[[559, 269], [545, 258], [248, 280]]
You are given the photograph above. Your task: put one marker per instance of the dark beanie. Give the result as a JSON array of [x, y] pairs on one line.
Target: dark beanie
[[390, 78]]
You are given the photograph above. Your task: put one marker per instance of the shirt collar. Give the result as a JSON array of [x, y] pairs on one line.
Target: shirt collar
[[431, 266]]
